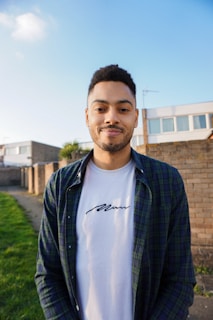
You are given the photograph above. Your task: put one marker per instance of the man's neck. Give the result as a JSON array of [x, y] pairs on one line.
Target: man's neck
[[111, 160]]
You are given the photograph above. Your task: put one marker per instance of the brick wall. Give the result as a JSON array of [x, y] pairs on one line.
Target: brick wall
[[39, 178], [49, 169], [194, 160], [44, 153], [10, 176], [30, 182]]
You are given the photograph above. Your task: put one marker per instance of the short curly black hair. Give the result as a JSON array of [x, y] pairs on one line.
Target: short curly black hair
[[112, 73]]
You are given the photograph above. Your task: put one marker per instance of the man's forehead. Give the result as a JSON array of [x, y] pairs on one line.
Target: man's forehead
[[111, 90]]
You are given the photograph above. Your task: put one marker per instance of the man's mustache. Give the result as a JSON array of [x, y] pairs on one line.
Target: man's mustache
[[112, 126]]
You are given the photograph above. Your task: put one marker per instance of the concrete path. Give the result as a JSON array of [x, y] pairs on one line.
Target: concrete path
[[31, 203], [202, 308]]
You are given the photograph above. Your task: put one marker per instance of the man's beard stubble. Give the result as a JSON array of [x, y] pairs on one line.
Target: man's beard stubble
[[112, 148]]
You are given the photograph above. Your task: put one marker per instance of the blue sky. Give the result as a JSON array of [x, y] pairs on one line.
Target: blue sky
[[50, 49]]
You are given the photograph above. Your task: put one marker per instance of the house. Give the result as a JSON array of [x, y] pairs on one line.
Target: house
[[175, 123], [27, 153]]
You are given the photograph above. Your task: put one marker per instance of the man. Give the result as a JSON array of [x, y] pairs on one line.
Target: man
[[114, 242]]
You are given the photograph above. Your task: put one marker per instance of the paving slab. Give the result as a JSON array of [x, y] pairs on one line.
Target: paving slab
[[202, 308]]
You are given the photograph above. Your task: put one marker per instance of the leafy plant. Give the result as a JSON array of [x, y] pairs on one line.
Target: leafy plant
[[203, 270], [68, 149]]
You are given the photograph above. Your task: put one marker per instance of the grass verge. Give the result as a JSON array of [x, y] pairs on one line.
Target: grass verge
[[18, 248]]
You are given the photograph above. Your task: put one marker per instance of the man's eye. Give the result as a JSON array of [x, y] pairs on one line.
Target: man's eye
[[123, 110], [99, 109]]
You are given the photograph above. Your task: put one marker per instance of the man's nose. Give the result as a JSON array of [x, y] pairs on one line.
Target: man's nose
[[112, 117]]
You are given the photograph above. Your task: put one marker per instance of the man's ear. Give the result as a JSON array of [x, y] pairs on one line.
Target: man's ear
[[136, 119], [86, 117]]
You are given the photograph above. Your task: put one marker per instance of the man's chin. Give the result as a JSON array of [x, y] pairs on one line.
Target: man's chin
[[109, 147]]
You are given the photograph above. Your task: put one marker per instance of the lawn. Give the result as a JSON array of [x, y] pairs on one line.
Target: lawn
[[18, 247]]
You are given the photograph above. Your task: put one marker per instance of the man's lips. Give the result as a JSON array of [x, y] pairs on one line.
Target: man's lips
[[111, 131]]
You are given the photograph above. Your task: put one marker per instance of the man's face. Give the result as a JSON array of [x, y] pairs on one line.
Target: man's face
[[111, 115]]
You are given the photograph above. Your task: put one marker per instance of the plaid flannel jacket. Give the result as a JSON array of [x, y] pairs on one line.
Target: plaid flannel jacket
[[162, 269]]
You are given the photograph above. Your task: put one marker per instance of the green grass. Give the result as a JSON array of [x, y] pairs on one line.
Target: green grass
[[18, 249]]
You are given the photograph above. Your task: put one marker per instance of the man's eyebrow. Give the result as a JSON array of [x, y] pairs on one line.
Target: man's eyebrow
[[122, 101], [99, 101]]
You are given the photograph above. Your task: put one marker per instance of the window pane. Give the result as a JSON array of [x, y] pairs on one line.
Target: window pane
[[182, 123], [199, 122], [11, 150], [168, 125], [154, 126], [211, 120], [24, 149]]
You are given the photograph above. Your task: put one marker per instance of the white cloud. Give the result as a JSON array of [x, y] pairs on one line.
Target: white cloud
[[29, 27], [25, 27]]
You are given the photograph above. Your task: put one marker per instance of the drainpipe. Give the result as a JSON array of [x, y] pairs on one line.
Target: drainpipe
[[145, 129]]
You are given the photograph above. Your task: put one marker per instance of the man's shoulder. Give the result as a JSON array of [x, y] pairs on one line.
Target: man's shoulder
[[75, 167], [149, 162], [158, 174], [68, 173], [154, 167], [71, 167]]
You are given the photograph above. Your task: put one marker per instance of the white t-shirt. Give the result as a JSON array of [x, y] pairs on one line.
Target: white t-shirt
[[105, 241]]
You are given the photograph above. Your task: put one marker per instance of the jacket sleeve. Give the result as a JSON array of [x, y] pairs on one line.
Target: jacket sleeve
[[49, 277], [176, 290]]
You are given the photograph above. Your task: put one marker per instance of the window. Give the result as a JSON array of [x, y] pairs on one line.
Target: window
[[182, 123], [154, 126], [24, 149], [168, 125], [11, 151], [199, 121]]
